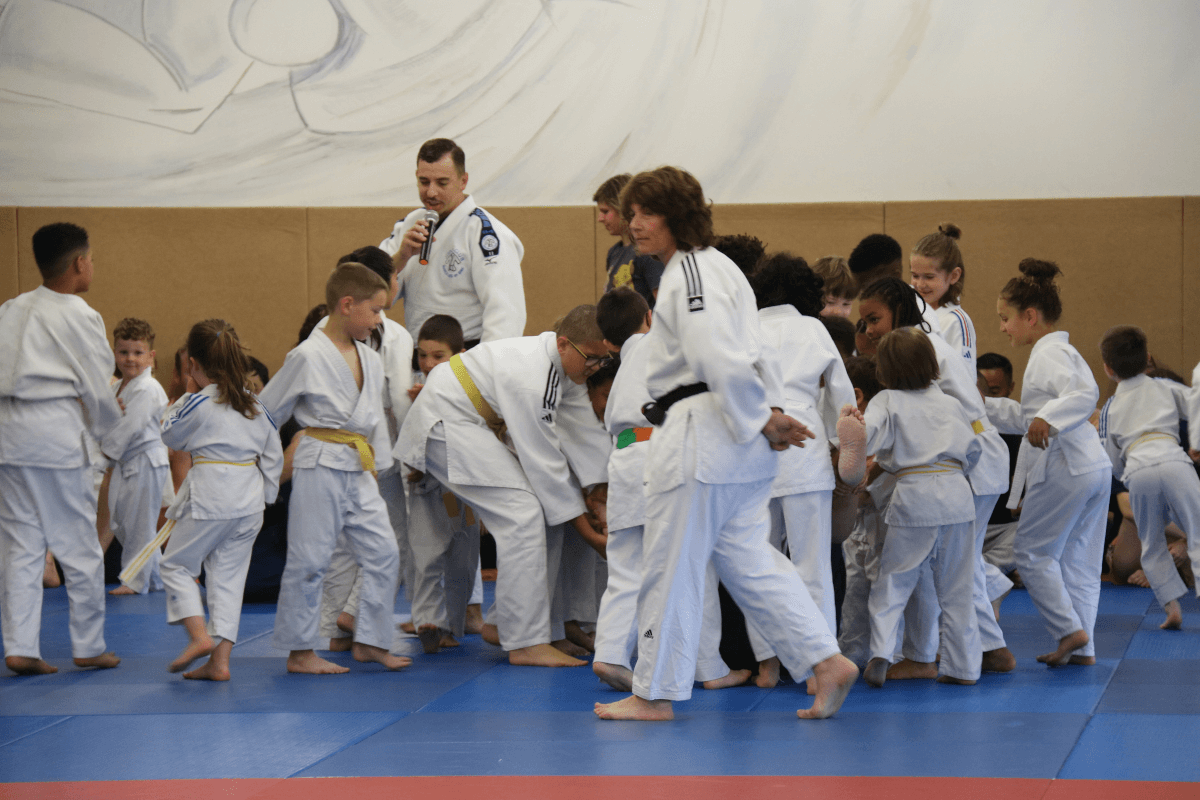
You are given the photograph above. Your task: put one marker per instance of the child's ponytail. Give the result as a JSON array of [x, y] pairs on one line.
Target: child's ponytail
[[215, 346]]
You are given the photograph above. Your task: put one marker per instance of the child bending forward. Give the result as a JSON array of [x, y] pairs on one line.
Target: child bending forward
[[923, 437], [236, 461]]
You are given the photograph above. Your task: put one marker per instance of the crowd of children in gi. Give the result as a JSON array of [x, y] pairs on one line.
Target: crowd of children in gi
[[542, 442]]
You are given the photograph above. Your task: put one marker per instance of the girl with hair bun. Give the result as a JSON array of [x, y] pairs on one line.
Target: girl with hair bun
[[938, 274], [1064, 469], [790, 299], [236, 461]]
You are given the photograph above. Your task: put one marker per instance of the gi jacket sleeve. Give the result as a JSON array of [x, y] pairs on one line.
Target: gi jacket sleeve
[[270, 460], [881, 436], [180, 421], [397, 371], [288, 385], [538, 449], [722, 347], [1075, 391], [1108, 438], [93, 364], [498, 285], [1005, 413]]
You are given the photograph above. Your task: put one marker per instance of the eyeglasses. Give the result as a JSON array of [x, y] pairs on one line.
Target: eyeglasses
[[591, 361]]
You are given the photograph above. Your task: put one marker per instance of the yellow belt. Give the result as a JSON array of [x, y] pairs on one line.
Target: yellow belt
[[366, 453], [1150, 437], [139, 561], [494, 423], [196, 461], [977, 426], [948, 465]]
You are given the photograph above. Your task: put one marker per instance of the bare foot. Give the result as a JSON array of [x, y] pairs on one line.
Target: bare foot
[[768, 673], [835, 675], [408, 627], [810, 687], [340, 644], [1066, 645], [367, 653], [577, 635], [196, 648], [735, 677], [852, 457], [615, 675], [1138, 578], [474, 623], [1174, 619], [999, 660], [102, 661], [430, 636], [950, 679], [345, 622], [542, 655], [448, 640], [908, 670], [570, 648], [24, 665], [876, 672], [208, 672], [634, 707], [490, 634], [121, 591], [1082, 661], [1015, 577], [307, 662], [50, 579], [996, 604]]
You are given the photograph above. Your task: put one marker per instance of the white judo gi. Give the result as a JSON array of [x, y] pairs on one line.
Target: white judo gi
[[473, 274], [332, 492], [517, 492], [802, 493], [708, 476], [1060, 536], [925, 438], [342, 580], [617, 627], [140, 470], [218, 512], [54, 370], [957, 329], [444, 537], [1139, 428], [989, 480]]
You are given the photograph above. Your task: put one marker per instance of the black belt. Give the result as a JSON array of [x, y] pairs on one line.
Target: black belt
[[656, 410]]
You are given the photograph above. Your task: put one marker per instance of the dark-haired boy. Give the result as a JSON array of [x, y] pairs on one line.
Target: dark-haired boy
[[54, 370], [1139, 428]]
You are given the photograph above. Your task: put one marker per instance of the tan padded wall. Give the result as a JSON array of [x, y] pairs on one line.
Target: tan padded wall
[[174, 267], [1190, 294], [334, 232], [9, 247], [811, 231], [1120, 260]]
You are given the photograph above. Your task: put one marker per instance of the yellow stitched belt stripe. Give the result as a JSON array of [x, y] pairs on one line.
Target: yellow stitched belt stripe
[[196, 461], [977, 426], [1150, 437], [366, 453], [143, 556], [485, 410], [947, 465]]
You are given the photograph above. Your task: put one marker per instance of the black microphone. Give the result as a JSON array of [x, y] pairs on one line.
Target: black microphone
[[431, 219]]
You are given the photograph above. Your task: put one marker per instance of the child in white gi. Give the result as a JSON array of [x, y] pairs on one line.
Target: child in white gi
[[333, 383], [236, 462], [443, 532], [923, 436], [1060, 536], [624, 317], [1139, 428], [135, 490], [710, 463], [816, 387], [511, 389], [54, 370], [938, 274]]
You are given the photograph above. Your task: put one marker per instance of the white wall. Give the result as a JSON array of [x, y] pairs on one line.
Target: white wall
[[324, 102]]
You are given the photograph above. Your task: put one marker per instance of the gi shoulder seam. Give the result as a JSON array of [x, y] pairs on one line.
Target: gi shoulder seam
[[695, 288]]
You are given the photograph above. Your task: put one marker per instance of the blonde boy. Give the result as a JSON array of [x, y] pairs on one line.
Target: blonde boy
[[141, 467], [333, 384], [54, 370]]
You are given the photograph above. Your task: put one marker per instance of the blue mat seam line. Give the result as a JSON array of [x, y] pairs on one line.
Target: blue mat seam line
[[350, 744], [1100, 696], [58, 721]]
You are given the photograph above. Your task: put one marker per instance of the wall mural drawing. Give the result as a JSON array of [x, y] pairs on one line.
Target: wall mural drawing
[[324, 102]]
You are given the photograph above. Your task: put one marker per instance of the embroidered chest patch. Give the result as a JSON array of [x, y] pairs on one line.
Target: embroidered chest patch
[[455, 263]]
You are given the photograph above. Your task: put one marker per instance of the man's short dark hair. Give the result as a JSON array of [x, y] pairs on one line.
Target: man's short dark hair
[[1124, 349], [445, 329], [874, 251], [620, 314], [259, 369], [995, 361], [436, 149], [56, 245]]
